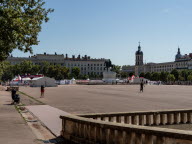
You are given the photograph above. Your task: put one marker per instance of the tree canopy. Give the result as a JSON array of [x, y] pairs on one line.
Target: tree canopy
[[20, 23]]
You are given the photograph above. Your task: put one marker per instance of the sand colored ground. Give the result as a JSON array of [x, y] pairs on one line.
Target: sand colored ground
[[114, 98]]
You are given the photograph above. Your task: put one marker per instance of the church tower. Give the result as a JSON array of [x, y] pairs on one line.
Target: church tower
[[178, 55], [139, 56]]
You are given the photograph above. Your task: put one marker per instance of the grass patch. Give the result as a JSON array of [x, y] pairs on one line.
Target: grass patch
[[19, 111], [32, 98]]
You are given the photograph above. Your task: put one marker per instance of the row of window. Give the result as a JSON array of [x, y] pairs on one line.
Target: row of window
[[85, 65], [89, 73], [160, 70], [91, 68]]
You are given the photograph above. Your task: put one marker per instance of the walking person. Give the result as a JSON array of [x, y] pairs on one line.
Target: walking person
[[42, 91], [13, 94], [141, 86]]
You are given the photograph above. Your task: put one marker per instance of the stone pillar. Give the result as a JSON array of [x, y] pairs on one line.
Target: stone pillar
[[114, 119], [141, 119], [76, 129], [148, 119], [98, 118], [169, 119], [103, 118], [189, 117], [103, 135], [176, 118], [156, 118], [128, 137], [93, 133], [183, 117], [81, 130], [162, 119], [132, 138], [106, 119], [107, 136], [148, 139], [126, 119], [118, 119], [138, 138], [110, 119], [119, 137], [98, 135], [134, 119], [85, 131], [111, 136], [159, 140]]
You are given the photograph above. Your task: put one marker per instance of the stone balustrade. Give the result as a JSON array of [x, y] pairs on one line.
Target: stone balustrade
[[92, 131], [150, 118]]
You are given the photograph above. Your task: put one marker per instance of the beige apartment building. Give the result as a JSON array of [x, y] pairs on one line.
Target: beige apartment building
[[86, 64], [181, 62]]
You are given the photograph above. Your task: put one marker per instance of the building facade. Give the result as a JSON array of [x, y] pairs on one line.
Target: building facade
[[181, 62], [86, 64]]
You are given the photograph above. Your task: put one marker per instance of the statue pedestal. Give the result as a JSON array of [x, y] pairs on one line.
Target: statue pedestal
[[109, 77]]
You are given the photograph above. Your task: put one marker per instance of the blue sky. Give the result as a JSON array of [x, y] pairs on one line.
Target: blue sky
[[112, 29]]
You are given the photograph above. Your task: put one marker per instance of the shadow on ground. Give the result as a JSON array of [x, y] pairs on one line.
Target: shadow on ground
[[58, 140]]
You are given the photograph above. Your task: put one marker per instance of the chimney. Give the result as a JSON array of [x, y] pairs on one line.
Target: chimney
[[79, 56], [66, 56], [73, 56]]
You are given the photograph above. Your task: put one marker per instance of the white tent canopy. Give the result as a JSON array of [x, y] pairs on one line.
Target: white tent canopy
[[45, 81]]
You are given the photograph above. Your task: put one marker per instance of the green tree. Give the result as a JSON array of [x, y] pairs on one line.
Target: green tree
[[163, 76], [7, 75], [35, 69], [75, 71], [142, 74], [44, 68], [189, 78], [64, 72], [16, 69], [116, 69], [3, 66], [124, 74], [26, 67], [175, 73], [184, 74], [20, 23], [155, 76], [171, 77], [131, 74], [181, 78], [147, 75]]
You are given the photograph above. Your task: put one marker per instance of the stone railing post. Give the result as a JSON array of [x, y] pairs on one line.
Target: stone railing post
[[176, 118], [169, 119], [159, 140], [138, 138], [118, 119], [182, 117], [162, 119], [189, 117], [148, 139], [141, 119], [148, 119], [156, 118], [134, 119], [126, 119]]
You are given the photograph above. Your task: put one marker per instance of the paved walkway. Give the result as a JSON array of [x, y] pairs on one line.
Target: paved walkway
[[49, 116], [13, 129]]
